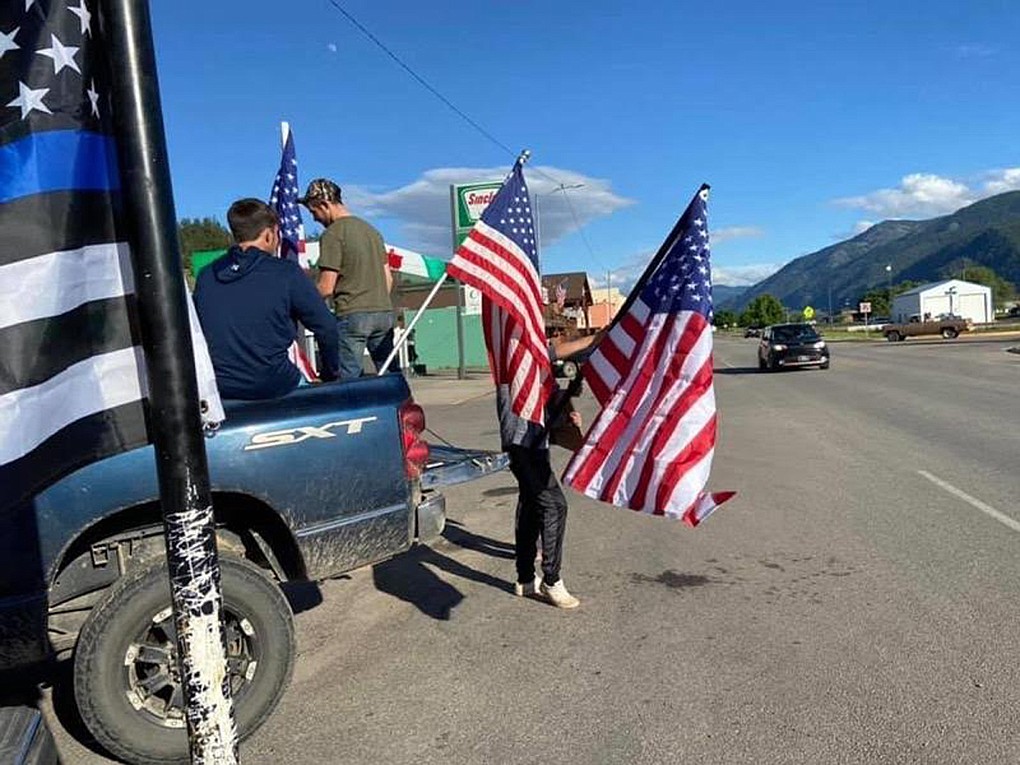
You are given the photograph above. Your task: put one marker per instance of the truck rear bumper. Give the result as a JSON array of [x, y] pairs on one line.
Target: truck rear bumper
[[448, 465], [430, 518]]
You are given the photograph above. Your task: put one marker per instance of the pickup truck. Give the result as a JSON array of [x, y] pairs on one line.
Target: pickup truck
[[948, 327], [324, 480]]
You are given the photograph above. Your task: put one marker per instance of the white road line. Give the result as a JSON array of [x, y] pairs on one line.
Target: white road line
[[988, 510]]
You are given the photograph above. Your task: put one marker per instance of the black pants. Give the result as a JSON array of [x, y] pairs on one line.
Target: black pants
[[541, 509]]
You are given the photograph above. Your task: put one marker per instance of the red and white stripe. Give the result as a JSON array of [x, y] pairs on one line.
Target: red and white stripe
[[651, 446], [512, 316], [299, 359]]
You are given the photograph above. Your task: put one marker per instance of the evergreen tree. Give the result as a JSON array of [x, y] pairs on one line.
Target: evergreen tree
[[196, 234], [763, 311], [1002, 290], [725, 319]]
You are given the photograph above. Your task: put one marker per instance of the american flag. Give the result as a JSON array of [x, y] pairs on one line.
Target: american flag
[[651, 446], [561, 295], [72, 378], [283, 199], [499, 258]]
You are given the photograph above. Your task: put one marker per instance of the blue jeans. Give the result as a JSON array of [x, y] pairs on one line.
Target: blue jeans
[[365, 329]]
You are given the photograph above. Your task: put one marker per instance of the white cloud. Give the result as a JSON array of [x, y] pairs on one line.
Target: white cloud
[[926, 194], [859, 228], [1001, 181], [975, 51], [422, 207], [921, 194], [331, 47], [625, 276], [743, 276], [721, 235]]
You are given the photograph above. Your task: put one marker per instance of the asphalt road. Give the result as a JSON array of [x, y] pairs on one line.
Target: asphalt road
[[855, 603]]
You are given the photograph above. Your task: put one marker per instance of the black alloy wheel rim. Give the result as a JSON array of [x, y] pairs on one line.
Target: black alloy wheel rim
[[152, 678]]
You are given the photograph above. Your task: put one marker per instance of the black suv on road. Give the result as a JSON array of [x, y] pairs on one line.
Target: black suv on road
[[792, 345]]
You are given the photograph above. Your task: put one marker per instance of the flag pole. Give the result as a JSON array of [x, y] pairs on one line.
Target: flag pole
[[174, 419], [574, 388], [417, 315], [653, 266]]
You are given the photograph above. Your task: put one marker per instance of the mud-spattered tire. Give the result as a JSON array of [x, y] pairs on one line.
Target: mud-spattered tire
[[893, 336], [109, 685], [949, 333]]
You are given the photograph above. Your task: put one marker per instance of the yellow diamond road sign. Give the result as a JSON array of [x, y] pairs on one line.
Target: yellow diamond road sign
[[809, 312]]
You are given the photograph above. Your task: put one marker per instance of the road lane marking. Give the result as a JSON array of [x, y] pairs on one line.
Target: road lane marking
[[988, 510]]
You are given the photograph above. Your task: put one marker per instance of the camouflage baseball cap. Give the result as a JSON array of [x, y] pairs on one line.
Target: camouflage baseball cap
[[321, 190]]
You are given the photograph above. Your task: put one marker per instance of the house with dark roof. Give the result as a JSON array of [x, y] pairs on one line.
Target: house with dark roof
[[568, 300]]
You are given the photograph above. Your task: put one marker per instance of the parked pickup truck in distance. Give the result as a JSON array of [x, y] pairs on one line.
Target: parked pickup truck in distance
[[947, 327], [326, 479]]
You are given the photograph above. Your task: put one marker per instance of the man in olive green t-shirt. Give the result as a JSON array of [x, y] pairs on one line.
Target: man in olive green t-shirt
[[355, 279]]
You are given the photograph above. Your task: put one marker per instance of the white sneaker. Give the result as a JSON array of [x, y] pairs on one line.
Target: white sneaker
[[557, 595], [528, 589]]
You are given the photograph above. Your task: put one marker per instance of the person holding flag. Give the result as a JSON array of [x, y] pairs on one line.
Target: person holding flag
[[499, 257]]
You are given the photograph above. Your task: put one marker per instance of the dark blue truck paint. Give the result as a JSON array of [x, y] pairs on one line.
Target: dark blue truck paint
[[313, 483]]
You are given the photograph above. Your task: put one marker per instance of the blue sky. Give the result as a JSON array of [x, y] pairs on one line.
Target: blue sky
[[809, 119]]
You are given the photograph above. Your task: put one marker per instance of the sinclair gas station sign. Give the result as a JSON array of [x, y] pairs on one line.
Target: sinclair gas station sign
[[467, 202]]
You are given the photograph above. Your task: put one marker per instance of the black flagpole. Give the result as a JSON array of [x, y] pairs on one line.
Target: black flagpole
[[667, 245], [574, 388], [175, 424]]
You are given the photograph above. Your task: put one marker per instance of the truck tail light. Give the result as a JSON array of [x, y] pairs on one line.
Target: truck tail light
[[416, 451]]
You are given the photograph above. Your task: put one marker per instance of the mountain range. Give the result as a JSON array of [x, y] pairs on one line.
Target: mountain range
[[724, 293], [985, 233]]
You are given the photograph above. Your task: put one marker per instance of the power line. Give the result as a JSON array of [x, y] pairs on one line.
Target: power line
[[460, 113], [425, 84], [580, 229], [421, 80]]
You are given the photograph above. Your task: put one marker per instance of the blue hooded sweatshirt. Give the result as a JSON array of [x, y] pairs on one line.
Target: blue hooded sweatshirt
[[248, 303]]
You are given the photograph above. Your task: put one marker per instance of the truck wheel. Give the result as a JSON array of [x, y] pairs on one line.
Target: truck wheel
[[762, 366], [126, 680], [893, 337], [949, 333], [570, 369]]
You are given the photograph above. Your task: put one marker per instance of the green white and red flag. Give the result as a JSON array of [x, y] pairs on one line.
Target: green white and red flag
[[414, 263]]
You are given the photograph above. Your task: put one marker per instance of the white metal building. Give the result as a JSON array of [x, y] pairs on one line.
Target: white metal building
[[966, 299]]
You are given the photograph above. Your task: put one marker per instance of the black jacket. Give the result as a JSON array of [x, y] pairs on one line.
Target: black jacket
[[248, 303]]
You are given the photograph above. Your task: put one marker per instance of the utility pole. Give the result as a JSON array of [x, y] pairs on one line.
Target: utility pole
[[888, 272], [461, 366]]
